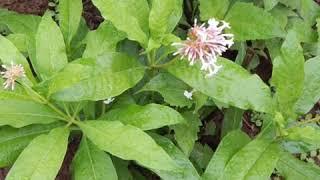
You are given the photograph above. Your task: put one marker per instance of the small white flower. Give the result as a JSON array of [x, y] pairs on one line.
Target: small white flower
[[109, 100], [188, 94], [206, 44], [11, 74]]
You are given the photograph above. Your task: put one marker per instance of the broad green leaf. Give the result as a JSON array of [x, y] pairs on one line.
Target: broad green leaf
[[96, 79], [51, 54], [104, 39], [292, 168], [256, 160], [230, 145], [92, 163], [20, 23], [18, 111], [269, 4], [281, 14], [151, 116], [170, 88], [13, 141], [20, 41], [129, 16], [69, 18], [232, 120], [10, 54], [164, 16], [288, 74], [227, 85], [311, 89], [307, 134], [127, 142], [213, 9], [42, 158], [293, 4], [186, 170], [309, 11], [187, 139], [249, 22], [122, 168], [200, 156], [303, 30]]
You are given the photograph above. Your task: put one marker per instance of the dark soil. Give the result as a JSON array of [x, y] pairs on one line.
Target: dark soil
[[37, 7]]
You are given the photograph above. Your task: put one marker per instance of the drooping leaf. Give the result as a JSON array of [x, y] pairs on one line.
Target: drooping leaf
[[151, 116], [13, 141], [170, 88], [311, 89], [104, 39], [164, 16], [92, 163], [294, 169], [213, 9], [227, 85], [186, 170], [51, 54], [187, 139], [232, 120], [69, 18], [129, 16], [10, 54], [230, 145], [249, 22], [42, 158], [127, 142], [96, 79], [18, 111], [288, 74]]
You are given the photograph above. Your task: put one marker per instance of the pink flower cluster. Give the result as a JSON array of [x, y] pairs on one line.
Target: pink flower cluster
[[12, 74], [206, 44]]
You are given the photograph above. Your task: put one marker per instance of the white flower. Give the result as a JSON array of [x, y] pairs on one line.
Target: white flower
[[11, 74], [206, 44], [109, 100], [188, 94]]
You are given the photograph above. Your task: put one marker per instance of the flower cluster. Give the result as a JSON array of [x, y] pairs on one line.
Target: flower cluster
[[11, 74], [206, 43]]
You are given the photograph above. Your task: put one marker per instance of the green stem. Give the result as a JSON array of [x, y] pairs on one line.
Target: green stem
[[158, 66]]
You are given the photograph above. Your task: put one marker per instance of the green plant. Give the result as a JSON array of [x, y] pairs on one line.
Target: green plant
[[121, 87]]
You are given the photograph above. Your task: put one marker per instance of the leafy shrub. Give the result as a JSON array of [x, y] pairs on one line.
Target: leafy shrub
[[124, 90]]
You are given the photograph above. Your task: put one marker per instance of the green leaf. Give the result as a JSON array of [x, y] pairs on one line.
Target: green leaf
[[20, 23], [256, 160], [10, 54], [104, 39], [128, 143], [288, 74], [187, 139], [303, 30], [69, 18], [230, 145], [270, 4], [201, 155], [186, 170], [309, 11], [20, 41], [42, 158], [213, 9], [130, 16], [122, 169], [307, 134], [18, 111], [13, 141], [227, 85], [92, 163], [249, 22], [96, 79], [170, 88], [293, 169], [164, 16], [232, 120], [51, 54], [311, 88], [151, 116]]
